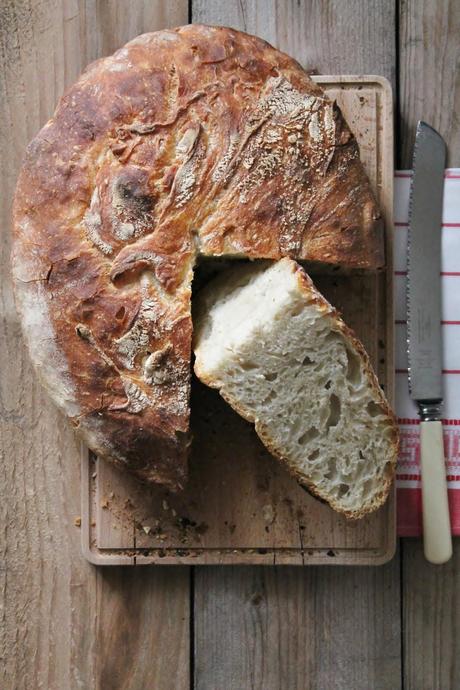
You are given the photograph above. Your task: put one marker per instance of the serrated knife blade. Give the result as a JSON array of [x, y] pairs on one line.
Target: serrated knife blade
[[424, 266], [424, 339]]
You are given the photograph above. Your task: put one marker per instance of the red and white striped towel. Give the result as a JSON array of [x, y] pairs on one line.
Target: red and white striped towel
[[408, 474]]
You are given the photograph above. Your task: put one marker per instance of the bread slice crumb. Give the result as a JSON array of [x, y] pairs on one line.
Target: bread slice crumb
[[282, 357]]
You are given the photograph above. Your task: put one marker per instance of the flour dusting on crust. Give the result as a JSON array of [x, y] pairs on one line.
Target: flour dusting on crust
[[48, 358]]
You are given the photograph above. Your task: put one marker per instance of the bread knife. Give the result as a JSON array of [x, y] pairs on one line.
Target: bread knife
[[424, 336]]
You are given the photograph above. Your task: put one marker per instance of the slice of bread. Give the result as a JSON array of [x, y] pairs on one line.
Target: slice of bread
[[280, 354]]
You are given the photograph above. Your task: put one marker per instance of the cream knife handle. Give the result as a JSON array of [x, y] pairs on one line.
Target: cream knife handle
[[436, 521]]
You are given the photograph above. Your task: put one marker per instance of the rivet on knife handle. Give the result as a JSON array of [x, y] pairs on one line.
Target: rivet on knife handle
[[424, 334]]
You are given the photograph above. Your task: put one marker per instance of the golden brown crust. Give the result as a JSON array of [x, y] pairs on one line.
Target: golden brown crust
[[197, 140]]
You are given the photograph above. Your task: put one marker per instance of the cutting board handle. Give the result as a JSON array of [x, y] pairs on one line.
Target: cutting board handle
[[437, 538]]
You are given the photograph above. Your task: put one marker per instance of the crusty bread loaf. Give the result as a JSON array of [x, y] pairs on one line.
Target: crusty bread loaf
[[284, 359], [194, 141]]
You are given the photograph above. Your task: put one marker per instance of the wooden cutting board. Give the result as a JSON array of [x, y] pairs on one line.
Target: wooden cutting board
[[240, 505]]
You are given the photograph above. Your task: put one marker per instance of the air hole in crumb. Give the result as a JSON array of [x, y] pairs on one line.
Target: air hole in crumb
[[367, 487], [307, 436], [306, 360], [361, 456], [328, 385], [247, 366], [314, 456], [353, 368], [343, 490], [331, 337], [120, 314], [331, 469], [297, 309], [374, 409], [334, 411], [271, 396], [271, 376]]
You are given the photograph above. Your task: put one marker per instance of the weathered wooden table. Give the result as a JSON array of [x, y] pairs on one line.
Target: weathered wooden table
[[65, 624]]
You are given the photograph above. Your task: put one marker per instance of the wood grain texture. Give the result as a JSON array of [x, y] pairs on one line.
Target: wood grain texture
[[142, 628], [431, 619], [325, 36], [285, 628], [430, 89], [429, 48], [49, 596]]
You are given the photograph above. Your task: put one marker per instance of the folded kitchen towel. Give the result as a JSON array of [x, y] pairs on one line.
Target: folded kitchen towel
[[409, 500]]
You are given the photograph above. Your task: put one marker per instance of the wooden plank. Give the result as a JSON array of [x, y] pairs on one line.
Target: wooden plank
[[240, 504], [303, 628], [297, 628], [328, 37], [429, 72], [48, 591], [48, 635], [142, 628], [431, 619], [430, 89]]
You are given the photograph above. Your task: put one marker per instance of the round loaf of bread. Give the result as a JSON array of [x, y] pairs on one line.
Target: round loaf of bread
[[197, 141]]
